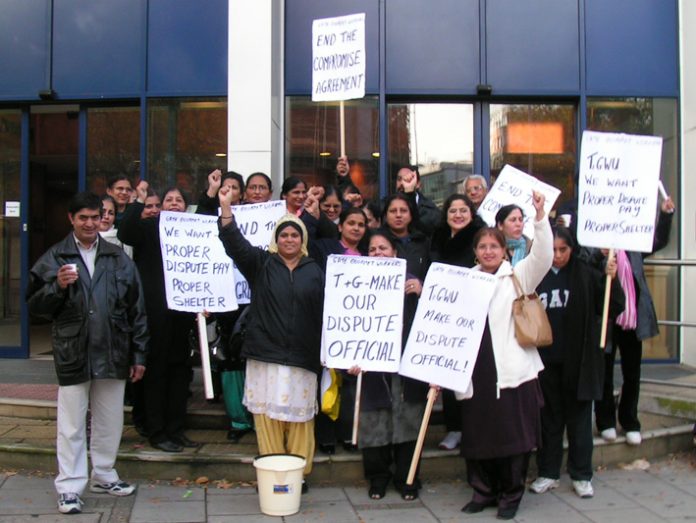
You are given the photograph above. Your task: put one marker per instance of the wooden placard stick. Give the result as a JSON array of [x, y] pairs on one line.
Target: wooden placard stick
[[605, 309], [432, 396], [342, 118], [356, 411], [205, 356]]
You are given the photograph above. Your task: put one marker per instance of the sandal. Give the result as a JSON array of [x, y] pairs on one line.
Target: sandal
[[376, 492], [409, 495]]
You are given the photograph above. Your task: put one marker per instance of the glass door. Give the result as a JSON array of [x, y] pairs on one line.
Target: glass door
[[11, 299], [53, 180]]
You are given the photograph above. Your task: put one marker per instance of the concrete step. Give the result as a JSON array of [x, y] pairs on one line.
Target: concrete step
[[29, 444]]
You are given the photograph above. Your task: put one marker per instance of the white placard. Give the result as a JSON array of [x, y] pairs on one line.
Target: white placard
[[198, 273], [444, 341], [12, 209], [515, 186], [617, 190], [338, 58], [363, 312], [256, 221]]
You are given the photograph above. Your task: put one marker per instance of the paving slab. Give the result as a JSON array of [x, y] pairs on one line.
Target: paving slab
[[233, 504], [168, 512], [324, 511]]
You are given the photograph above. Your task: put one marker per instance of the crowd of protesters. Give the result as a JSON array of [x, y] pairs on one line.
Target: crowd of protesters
[[521, 399]]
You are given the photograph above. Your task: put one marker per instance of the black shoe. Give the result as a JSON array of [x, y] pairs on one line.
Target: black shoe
[[234, 435], [349, 447], [142, 431], [305, 486], [474, 507], [377, 491], [167, 446], [185, 442], [327, 448], [507, 513]]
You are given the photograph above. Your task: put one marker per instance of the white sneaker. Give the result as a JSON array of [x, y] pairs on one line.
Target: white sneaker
[[541, 485], [69, 503], [117, 488], [609, 434], [583, 488], [451, 441], [633, 437]]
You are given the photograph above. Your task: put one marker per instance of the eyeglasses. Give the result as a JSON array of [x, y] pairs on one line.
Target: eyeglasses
[[331, 205], [474, 188], [257, 188]]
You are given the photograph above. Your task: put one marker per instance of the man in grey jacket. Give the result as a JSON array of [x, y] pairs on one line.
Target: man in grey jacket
[[91, 292]]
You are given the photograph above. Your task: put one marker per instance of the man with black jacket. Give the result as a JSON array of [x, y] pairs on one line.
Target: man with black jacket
[[91, 291]]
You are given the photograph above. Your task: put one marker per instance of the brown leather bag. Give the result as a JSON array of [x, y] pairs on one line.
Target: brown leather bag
[[532, 327]]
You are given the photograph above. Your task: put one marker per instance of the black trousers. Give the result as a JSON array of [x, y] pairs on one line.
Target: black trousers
[[166, 381], [500, 480], [562, 411], [452, 411], [631, 349], [377, 464]]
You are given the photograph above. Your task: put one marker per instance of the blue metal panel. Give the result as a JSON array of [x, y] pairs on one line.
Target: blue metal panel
[[632, 47], [432, 47], [187, 47], [97, 48], [298, 40], [533, 47], [24, 48]]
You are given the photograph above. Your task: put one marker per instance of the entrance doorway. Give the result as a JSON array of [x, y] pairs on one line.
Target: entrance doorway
[[53, 180]]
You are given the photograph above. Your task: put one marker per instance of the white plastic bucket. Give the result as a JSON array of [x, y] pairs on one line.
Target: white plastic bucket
[[279, 479]]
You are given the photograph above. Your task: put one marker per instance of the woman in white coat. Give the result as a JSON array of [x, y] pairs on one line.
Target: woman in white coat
[[501, 417]]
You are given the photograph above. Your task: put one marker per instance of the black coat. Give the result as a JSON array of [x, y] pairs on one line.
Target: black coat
[[99, 323], [458, 249], [584, 360], [286, 306], [169, 328], [415, 250]]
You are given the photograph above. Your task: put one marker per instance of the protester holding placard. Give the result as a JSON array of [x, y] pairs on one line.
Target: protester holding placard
[[453, 243], [283, 338], [501, 417], [228, 380], [352, 227], [573, 376], [637, 323], [510, 220], [411, 243], [166, 383], [391, 405]]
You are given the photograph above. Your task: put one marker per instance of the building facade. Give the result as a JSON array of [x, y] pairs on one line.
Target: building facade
[[167, 90]]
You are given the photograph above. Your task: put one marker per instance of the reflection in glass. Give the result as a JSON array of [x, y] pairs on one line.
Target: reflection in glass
[[647, 116], [539, 139], [113, 145], [313, 142], [438, 139], [663, 282], [10, 269], [187, 139]]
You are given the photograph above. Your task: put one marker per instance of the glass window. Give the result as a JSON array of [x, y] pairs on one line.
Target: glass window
[[113, 145], [656, 117], [313, 141], [10, 253], [187, 139], [539, 139], [438, 139]]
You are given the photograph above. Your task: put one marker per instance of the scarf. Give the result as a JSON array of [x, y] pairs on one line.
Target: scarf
[[628, 319], [518, 249]]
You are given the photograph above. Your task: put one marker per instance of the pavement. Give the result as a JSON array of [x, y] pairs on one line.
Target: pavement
[[665, 492]]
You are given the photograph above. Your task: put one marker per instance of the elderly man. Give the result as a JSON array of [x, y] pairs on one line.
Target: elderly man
[[91, 291], [476, 188]]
